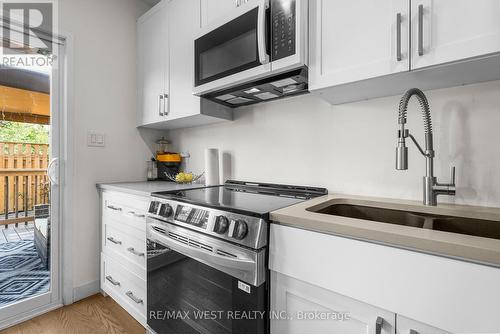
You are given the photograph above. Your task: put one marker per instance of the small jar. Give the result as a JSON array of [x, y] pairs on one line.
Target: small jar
[[152, 170]]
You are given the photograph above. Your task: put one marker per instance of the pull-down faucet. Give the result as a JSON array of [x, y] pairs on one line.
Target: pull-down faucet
[[432, 188]]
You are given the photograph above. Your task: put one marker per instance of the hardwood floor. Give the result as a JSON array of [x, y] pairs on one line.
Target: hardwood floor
[[93, 315]]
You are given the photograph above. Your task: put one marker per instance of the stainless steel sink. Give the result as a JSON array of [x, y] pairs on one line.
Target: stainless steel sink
[[468, 226], [461, 225], [389, 216]]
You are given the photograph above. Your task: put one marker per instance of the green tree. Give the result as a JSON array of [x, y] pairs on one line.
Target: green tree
[[24, 132]]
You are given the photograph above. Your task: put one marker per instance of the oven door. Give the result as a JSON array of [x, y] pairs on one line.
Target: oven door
[[188, 292], [234, 50]]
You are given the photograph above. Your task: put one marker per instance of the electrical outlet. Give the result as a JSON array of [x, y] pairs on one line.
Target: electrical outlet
[[95, 139]]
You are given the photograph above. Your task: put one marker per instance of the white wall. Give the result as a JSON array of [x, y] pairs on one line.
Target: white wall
[[351, 148], [104, 78]]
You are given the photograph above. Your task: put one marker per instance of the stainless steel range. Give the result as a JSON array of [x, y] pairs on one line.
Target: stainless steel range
[[207, 257]]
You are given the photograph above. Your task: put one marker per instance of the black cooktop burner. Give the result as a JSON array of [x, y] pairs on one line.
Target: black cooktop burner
[[256, 199]]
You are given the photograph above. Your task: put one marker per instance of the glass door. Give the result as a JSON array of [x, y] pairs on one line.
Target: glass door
[[30, 144]]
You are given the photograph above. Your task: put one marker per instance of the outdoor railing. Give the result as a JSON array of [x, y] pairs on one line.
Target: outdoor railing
[[23, 180]]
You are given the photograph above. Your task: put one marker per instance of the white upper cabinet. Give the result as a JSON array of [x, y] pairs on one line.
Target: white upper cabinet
[[153, 65], [212, 10], [184, 23], [357, 39], [166, 36], [449, 30], [409, 326]]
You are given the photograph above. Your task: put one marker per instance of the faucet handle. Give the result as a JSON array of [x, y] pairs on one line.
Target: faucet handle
[[452, 175]]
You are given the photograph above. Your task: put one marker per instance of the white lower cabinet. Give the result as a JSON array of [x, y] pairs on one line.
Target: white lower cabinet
[[313, 271], [123, 251], [298, 307], [409, 326], [126, 288]]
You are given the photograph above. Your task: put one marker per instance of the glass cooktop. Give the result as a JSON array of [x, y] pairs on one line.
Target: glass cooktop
[[256, 199]]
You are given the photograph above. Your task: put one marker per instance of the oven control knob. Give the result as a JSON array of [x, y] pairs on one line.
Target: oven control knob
[[166, 210], [221, 225], [240, 230], [153, 207]]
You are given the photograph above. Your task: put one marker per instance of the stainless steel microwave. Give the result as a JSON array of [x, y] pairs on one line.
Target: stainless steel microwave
[[259, 39]]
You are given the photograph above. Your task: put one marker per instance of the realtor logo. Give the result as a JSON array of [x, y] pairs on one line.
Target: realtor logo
[[27, 31]]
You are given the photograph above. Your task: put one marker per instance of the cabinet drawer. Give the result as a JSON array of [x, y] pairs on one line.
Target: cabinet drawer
[[124, 213], [130, 246], [124, 287], [131, 201]]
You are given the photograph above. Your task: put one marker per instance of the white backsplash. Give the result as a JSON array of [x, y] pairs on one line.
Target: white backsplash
[[351, 148]]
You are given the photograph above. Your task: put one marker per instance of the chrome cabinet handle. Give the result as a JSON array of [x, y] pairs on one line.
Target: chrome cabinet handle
[[130, 295], [412, 331], [420, 30], [133, 251], [399, 57], [114, 208], [160, 105], [138, 215], [165, 109], [113, 240], [378, 325], [112, 281]]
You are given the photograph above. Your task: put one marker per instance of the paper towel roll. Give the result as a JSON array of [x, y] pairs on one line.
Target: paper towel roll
[[211, 166], [224, 166]]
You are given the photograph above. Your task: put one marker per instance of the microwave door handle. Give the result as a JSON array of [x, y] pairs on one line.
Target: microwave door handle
[[261, 32], [197, 254]]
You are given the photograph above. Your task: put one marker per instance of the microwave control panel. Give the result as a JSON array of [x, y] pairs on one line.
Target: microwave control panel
[[283, 21]]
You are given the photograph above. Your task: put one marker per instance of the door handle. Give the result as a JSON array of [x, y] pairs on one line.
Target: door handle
[[130, 295], [412, 331], [160, 105], [52, 171], [113, 240], [420, 30], [261, 34], [112, 281], [133, 251], [378, 325], [399, 57]]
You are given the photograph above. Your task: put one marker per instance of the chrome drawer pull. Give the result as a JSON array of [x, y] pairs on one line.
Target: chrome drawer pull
[[134, 298], [133, 251], [113, 240], [138, 215], [114, 208], [112, 281]]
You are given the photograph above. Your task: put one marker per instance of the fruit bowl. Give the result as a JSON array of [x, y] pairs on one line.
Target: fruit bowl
[[184, 177]]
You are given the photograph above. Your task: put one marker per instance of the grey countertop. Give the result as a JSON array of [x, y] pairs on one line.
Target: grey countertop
[[145, 188]]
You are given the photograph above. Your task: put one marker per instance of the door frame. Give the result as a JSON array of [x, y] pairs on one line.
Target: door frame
[[61, 291]]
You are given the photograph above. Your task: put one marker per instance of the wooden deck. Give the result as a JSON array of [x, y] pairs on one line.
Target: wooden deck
[[15, 233]]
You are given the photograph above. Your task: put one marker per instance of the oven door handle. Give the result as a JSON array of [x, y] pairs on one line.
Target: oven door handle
[[203, 255], [261, 32]]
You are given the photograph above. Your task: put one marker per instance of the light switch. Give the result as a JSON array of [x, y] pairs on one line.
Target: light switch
[[95, 139]]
